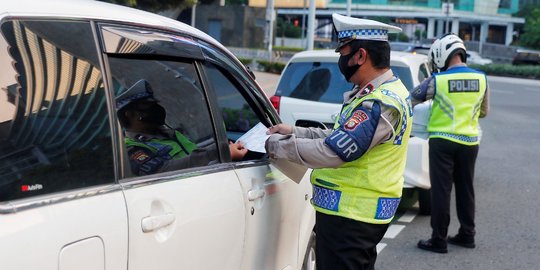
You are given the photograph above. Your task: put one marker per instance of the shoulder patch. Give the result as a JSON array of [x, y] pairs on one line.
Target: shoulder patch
[[139, 156], [356, 119]]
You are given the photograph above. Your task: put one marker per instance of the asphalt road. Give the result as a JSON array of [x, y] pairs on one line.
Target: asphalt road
[[507, 186]]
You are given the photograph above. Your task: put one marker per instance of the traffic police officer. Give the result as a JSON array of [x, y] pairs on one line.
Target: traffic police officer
[[460, 96], [358, 165], [153, 146]]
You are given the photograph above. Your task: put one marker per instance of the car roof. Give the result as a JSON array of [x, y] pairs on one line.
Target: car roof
[[90, 9], [396, 57]]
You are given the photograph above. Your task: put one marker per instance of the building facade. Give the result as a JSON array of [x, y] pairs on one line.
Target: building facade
[[482, 21]]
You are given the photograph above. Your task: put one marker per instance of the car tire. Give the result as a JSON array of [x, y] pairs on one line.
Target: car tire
[[424, 201], [309, 257]]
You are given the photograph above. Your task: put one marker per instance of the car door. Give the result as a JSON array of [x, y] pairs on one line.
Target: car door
[[60, 207], [277, 210], [181, 216]]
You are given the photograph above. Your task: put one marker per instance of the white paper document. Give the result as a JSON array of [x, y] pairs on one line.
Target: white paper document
[[255, 138]]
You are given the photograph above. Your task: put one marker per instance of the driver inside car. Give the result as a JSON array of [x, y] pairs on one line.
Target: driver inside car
[[152, 145]]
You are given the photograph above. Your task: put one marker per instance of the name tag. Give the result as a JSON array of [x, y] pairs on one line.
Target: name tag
[[459, 86]]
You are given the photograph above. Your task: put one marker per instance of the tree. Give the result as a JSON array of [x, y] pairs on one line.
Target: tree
[[531, 35], [531, 31], [287, 29]]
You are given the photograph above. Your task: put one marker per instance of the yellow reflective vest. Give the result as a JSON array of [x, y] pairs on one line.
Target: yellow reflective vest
[[369, 188], [456, 105]]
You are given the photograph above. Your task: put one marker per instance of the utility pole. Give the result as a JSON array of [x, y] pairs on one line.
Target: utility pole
[[311, 25], [193, 13], [269, 27], [447, 9], [304, 45], [349, 4]]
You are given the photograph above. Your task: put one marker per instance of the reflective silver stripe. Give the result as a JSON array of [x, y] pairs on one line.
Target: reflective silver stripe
[[40, 201]]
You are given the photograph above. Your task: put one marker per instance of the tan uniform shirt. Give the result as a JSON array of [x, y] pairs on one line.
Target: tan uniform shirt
[[306, 146]]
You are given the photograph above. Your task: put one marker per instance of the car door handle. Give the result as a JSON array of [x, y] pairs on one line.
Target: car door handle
[[256, 194], [152, 223]]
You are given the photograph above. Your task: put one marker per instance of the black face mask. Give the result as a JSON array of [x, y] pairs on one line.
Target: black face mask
[[154, 114], [346, 70]]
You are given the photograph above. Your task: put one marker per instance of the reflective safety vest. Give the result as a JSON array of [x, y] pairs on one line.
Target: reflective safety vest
[[369, 188], [177, 149], [456, 105]]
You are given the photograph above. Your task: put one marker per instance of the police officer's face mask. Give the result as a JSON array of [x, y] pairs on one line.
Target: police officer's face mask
[[346, 70]]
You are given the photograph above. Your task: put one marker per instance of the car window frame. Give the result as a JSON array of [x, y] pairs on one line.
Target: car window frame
[[216, 110], [28, 203], [124, 177]]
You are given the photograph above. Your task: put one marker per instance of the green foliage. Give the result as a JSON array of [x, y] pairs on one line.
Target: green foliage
[[287, 29], [419, 34], [155, 5], [272, 67], [288, 49], [245, 61], [508, 70], [398, 37], [531, 36]]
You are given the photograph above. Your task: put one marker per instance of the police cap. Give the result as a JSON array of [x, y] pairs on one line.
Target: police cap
[[349, 29], [139, 90]]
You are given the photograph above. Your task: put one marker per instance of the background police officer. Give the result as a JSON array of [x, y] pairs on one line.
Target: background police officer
[[359, 164], [460, 95], [153, 146]]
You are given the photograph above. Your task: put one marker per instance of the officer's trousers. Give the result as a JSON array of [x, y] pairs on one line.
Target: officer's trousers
[[346, 244], [451, 163]]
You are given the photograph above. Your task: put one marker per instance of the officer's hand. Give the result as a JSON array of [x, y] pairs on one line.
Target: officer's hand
[[237, 150], [281, 129]]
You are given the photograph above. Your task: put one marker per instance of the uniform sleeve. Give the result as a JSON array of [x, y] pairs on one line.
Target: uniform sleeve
[[424, 91], [317, 153], [144, 162], [311, 133], [354, 135], [484, 107], [312, 153]]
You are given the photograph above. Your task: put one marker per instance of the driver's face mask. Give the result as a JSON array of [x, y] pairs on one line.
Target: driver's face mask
[[151, 112]]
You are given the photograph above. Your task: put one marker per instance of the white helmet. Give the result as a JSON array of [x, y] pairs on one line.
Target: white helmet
[[444, 48]]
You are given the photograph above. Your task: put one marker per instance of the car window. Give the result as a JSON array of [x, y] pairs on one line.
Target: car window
[[238, 116], [316, 81], [163, 113], [54, 128], [423, 73], [405, 75]]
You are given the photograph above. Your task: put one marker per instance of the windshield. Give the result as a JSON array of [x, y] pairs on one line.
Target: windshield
[[323, 82], [404, 74], [314, 81]]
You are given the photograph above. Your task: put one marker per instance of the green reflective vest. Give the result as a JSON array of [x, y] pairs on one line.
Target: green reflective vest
[[456, 105], [179, 148], [369, 188]]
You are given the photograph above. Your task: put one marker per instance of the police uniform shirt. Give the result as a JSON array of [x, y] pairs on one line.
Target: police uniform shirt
[[307, 145], [426, 91]]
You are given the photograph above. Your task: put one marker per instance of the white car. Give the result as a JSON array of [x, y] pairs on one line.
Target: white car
[[475, 58], [69, 198], [310, 93]]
